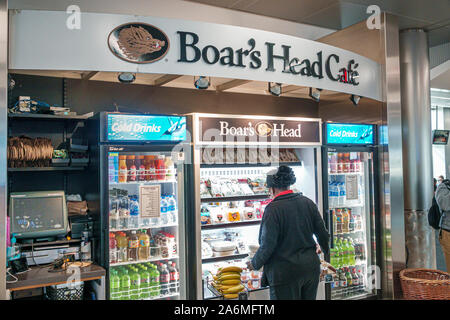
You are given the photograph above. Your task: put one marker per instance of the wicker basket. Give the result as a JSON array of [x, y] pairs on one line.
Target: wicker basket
[[425, 284]]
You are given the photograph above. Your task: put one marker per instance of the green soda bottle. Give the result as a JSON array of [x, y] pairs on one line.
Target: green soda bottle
[[145, 283], [337, 245], [114, 285], [125, 284], [135, 284], [156, 284], [352, 253], [345, 252]]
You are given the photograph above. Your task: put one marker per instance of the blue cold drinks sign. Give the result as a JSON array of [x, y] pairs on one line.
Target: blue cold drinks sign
[[121, 127], [338, 133]]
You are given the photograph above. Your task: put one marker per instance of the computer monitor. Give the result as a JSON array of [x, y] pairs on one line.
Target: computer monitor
[[38, 214]]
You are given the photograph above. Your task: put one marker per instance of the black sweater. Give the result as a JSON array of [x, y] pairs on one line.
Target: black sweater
[[287, 247]]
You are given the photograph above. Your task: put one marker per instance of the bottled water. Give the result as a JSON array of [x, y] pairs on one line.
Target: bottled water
[[172, 209], [164, 214], [330, 194], [342, 194], [134, 211]]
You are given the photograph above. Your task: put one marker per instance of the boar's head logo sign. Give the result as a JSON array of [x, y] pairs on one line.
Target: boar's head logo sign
[[138, 43], [264, 129]]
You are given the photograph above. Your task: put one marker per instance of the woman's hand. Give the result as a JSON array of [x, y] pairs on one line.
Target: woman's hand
[[318, 250], [250, 266]]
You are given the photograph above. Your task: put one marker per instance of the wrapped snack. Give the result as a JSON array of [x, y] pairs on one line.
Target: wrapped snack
[[216, 215], [204, 192], [245, 189], [205, 216]]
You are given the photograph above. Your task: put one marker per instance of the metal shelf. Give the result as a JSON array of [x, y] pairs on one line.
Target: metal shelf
[[142, 261], [39, 169], [231, 224], [162, 297], [142, 182], [145, 228], [239, 198], [225, 258], [49, 116], [345, 173], [245, 165]]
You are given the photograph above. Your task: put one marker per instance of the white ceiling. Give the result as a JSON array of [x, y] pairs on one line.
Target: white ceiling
[[433, 15]]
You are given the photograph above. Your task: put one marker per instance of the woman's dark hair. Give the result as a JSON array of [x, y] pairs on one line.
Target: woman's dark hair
[[282, 179]]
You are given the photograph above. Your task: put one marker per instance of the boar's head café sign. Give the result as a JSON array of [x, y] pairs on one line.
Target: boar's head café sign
[[154, 45], [216, 129], [143, 43]]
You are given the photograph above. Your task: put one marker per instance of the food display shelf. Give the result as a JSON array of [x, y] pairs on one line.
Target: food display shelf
[[231, 224], [145, 228], [225, 258], [142, 261], [239, 198], [245, 165]]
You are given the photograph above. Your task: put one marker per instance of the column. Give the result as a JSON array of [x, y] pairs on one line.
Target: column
[[417, 151]]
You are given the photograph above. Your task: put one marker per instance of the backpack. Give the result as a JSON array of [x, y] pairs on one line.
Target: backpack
[[434, 215]]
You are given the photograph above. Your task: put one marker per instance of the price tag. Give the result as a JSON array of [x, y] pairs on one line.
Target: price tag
[[150, 201], [351, 187]]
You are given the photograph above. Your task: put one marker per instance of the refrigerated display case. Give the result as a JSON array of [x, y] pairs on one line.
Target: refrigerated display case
[[350, 198], [230, 191], [142, 205]]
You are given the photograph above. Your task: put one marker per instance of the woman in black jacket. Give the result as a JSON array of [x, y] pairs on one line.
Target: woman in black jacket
[[287, 248]]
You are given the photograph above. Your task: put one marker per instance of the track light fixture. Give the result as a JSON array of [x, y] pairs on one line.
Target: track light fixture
[[355, 99], [202, 83], [126, 77], [275, 89], [315, 94]]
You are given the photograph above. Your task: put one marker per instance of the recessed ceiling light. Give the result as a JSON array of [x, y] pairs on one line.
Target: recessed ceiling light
[[315, 94], [275, 89], [126, 77], [202, 83]]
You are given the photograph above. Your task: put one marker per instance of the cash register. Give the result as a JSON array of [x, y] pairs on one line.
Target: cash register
[[39, 219]]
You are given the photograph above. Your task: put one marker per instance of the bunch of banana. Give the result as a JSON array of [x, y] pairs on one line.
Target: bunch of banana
[[228, 282]]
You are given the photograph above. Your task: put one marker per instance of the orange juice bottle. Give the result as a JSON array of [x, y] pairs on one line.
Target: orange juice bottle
[[123, 169]]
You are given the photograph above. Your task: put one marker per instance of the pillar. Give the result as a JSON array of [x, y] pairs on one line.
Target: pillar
[[417, 151]]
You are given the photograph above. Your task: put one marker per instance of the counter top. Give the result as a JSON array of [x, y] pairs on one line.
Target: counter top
[[37, 277]]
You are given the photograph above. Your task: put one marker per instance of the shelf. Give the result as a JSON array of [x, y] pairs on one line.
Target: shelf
[[145, 228], [38, 169], [49, 116], [225, 258], [239, 198], [231, 224], [142, 261], [348, 206], [246, 165], [142, 182], [351, 232], [345, 174], [162, 297]]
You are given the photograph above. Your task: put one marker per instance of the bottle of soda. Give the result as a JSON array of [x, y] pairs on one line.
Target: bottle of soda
[[114, 285], [355, 280], [145, 282], [122, 247], [352, 255], [173, 277], [345, 220], [342, 283], [351, 223], [155, 281], [144, 246], [125, 284], [177, 277], [135, 284], [333, 253], [113, 252], [133, 246], [165, 280]]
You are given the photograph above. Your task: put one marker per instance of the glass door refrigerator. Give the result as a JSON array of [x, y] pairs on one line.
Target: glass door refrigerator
[[350, 203], [230, 191], [141, 165]]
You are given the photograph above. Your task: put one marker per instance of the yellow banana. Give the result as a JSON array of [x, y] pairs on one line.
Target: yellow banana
[[229, 276], [231, 282], [231, 296], [234, 289], [230, 269]]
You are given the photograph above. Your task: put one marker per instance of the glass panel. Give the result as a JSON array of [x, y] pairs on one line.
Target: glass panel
[[143, 224], [234, 197], [349, 207]]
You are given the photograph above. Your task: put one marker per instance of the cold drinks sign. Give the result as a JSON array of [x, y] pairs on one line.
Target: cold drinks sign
[[121, 127], [338, 133]]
